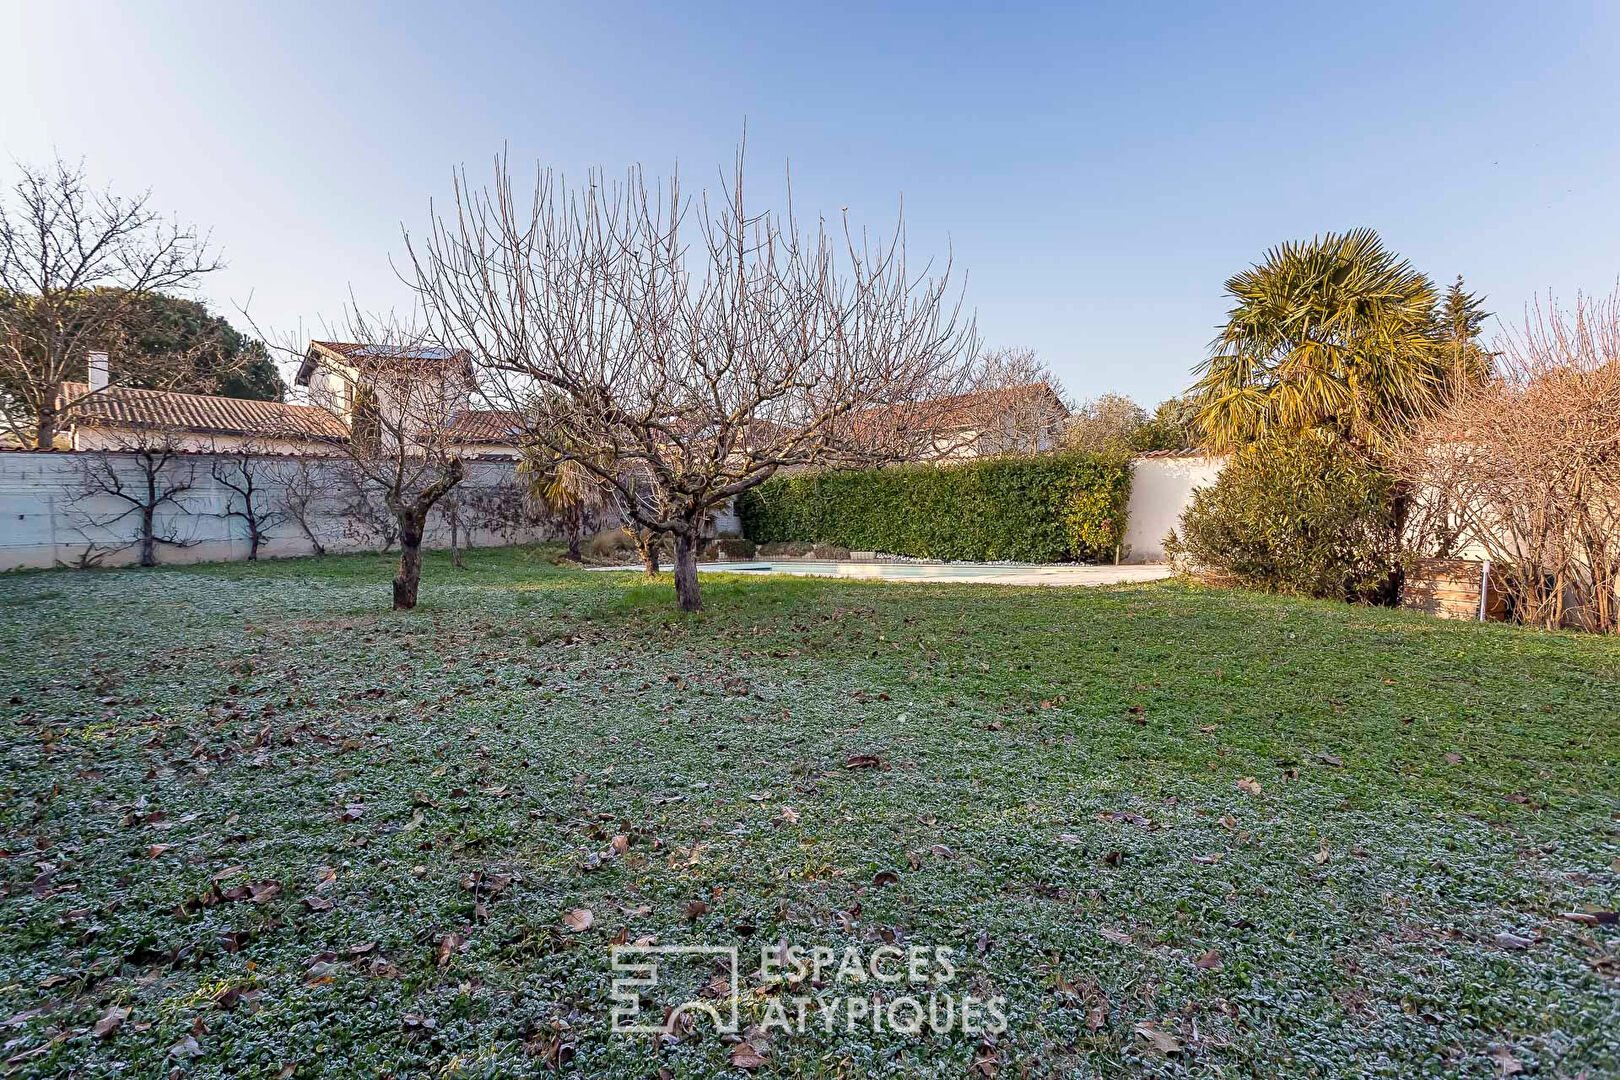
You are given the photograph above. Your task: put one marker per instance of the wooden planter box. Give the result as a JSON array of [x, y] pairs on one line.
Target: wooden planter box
[[1452, 589]]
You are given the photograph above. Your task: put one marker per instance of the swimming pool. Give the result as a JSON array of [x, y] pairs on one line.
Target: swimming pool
[[981, 573]]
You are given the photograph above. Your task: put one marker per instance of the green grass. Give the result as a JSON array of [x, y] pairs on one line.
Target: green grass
[[1461, 779]]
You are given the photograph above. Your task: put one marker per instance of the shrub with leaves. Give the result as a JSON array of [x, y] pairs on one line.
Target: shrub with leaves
[[1060, 508], [1303, 515]]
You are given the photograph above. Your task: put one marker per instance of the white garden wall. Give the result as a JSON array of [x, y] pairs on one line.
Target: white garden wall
[[1161, 489], [46, 521]]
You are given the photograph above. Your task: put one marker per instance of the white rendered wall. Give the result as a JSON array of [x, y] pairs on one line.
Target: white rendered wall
[[1161, 489], [45, 521]]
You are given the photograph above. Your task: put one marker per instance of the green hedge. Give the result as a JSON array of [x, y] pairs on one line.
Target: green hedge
[[1045, 509]]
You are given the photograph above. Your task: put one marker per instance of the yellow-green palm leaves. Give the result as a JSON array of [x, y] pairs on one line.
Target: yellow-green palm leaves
[[1336, 334], [562, 485]]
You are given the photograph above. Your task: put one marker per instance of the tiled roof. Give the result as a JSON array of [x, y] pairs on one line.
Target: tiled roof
[[485, 426], [206, 413]]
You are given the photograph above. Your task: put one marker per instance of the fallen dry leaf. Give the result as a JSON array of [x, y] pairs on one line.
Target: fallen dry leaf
[[186, 1047], [790, 815], [109, 1022], [1210, 961], [579, 920], [744, 1056], [1162, 1040], [1249, 785], [1592, 918]]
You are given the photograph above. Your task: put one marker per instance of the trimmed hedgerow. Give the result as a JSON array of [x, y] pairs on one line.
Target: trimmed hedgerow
[[1061, 508]]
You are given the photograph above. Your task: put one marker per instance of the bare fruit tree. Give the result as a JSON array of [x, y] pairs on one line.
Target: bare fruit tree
[[688, 349], [1524, 469], [142, 483], [256, 485], [1030, 409], [398, 399], [74, 263], [306, 486]]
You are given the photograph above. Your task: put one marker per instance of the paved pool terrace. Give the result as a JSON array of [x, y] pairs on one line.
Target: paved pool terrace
[[978, 573]]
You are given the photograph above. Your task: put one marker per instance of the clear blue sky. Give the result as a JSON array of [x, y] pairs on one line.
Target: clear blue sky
[[1100, 169]]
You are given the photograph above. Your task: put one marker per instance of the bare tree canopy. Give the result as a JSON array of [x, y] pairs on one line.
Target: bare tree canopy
[[145, 480], [73, 263], [1105, 423], [683, 350], [1524, 468]]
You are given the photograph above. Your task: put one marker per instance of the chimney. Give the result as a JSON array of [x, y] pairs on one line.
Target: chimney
[[98, 371]]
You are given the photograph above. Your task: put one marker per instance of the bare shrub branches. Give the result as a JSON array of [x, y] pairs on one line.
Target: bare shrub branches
[[1525, 469], [257, 490]]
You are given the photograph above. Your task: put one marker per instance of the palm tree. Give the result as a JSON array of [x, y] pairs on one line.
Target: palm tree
[[566, 489], [1337, 334]]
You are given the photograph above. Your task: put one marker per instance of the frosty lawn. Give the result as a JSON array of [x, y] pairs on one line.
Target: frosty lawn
[[256, 825]]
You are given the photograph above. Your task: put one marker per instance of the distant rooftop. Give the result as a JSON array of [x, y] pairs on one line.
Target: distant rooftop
[[358, 354], [207, 414]]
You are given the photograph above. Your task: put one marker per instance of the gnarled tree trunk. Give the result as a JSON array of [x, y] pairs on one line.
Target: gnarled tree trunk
[[148, 536], [686, 578], [576, 526], [649, 543], [412, 518], [409, 577]]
